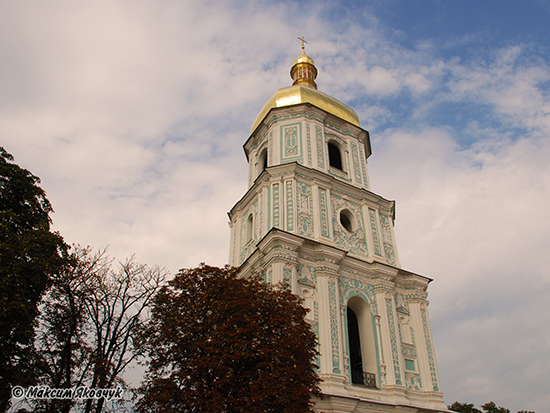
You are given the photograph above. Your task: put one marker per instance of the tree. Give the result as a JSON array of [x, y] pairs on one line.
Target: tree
[[490, 407], [88, 328], [30, 255], [220, 343]]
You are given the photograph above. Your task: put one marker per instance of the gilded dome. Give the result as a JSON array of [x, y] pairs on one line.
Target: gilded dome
[[304, 90], [303, 58], [296, 94]]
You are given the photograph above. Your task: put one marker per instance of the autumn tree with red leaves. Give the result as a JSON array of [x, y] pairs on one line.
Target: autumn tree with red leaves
[[220, 343]]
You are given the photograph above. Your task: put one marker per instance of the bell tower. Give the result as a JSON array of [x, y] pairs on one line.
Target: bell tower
[[309, 218]]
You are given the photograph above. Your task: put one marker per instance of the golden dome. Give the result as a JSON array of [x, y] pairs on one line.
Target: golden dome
[[303, 58], [304, 90], [294, 95]]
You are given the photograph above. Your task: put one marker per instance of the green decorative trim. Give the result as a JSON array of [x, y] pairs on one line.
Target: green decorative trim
[[270, 149], [413, 381], [289, 207], [350, 287], [388, 239], [339, 174], [305, 209], [323, 211], [316, 331], [276, 207], [408, 350], [276, 119], [355, 242], [334, 326], [269, 208], [374, 229], [364, 166], [393, 337], [429, 348], [248, 246], [291, 142], [309, 157], [356, 165], [261, 223], [320, 146], [307, 276], [287, 275]]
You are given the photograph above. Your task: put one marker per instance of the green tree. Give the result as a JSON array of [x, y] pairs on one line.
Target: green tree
[[464, 408], [490, 407], [30, 255], [220, 343]]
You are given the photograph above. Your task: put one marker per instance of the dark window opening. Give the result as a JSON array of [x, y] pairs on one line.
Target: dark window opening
[[263, 161], [345, 221], [356, 360], [334, 156], [249, 228]]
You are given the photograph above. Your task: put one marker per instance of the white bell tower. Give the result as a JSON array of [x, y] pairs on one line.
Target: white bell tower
[[309, 218]]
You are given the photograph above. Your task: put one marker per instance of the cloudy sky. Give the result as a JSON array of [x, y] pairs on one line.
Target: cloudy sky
[[133, 114]]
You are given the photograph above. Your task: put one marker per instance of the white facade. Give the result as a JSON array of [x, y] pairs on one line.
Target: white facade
[[309, 218]]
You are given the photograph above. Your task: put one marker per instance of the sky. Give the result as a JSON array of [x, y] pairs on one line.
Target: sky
[[134, 113]]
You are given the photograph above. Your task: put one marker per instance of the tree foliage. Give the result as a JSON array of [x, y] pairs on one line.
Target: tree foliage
[[490, 407], [220, 343], [30, 255], [88, 328]]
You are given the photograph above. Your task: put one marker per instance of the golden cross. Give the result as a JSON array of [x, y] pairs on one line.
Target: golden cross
[[303, 41]]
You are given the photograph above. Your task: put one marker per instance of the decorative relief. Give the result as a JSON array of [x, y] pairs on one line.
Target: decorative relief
[[289, 207], [309, 162], [413, 381], [234, 241], [429, 348], [356, 241], [323, 210], [383, 375], [307, 276], [393, 337], [374, 229], [305, 209], [356, 165], [350, 287], [291, 141], [387, 237], [287, 273], [334, 326], [250, 175], [316, 331], [408, 350], [270, 149], [320, 146], [261, 223], [247, 247], [363, 166], [276, 212]]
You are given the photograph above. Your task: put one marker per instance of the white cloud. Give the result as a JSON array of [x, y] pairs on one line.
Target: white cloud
[[134, 113]]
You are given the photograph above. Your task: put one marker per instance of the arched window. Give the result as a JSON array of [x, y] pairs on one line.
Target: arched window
[[361, 343], [263, 161], [354, 342], [249, 228], [334, 156]]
